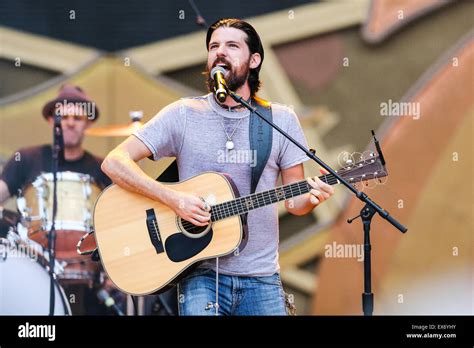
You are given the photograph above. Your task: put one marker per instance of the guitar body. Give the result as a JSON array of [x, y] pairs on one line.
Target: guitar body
[[144, 246]]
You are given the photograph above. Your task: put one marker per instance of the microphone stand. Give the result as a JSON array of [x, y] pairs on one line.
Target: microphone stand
[[58, 153], [366, 214]]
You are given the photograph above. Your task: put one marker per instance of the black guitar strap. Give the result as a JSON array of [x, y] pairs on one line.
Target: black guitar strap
[[261, 138]]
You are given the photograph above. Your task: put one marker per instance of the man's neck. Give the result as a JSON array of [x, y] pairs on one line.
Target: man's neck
[[73, 153], [243, 91]]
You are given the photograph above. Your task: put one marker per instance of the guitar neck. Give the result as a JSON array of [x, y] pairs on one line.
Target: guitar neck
[[257, 200]]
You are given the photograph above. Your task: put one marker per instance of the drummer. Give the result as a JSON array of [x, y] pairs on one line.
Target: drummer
[[77, 112]]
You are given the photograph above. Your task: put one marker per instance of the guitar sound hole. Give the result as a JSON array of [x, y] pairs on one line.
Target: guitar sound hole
[[192, 231]]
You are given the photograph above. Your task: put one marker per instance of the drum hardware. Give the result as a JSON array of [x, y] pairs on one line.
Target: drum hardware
[[3, 250], [8, 220]]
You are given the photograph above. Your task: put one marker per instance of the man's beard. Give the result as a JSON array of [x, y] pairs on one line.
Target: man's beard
[[234, 81]]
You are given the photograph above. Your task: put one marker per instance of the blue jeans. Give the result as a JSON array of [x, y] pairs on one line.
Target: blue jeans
[[237, 295]]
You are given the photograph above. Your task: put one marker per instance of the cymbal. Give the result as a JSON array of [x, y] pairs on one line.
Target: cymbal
[[114, 130]]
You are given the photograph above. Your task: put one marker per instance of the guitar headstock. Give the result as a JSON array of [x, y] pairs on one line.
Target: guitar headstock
[[367, 168]]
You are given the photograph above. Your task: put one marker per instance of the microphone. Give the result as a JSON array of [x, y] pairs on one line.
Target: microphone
[[217, 74], [108, 301], [379, 150]]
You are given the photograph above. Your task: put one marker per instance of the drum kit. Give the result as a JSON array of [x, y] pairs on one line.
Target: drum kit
[[24, 257]]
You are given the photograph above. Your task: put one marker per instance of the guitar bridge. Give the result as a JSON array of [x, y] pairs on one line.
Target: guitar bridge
[[153, 231]]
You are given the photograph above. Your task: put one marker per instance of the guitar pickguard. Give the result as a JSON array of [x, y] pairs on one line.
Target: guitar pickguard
[[179, 247]]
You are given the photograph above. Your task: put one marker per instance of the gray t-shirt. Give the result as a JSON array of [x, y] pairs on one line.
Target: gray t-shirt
[[192, 130]]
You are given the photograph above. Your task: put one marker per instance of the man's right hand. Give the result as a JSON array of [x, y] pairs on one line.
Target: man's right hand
[[190, 207]]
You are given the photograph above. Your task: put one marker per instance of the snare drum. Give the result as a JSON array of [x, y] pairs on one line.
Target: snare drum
[[26, 281], [76, 196]]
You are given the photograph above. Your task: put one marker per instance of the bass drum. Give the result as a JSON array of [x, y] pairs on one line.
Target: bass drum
[[25, 282]]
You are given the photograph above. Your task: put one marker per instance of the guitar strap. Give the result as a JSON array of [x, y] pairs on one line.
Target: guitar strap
[[261, 139], [260, 136]]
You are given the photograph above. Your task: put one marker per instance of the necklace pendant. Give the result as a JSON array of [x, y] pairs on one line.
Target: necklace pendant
[[229, 144]]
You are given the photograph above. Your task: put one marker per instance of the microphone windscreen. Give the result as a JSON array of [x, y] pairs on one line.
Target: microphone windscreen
[[216, 70]]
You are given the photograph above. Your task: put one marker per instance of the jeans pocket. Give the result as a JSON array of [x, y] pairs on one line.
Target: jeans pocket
[[196, 272], [269, 280]]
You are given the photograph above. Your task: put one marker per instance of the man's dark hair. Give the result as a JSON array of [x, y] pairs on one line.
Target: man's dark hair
[[253, 42]]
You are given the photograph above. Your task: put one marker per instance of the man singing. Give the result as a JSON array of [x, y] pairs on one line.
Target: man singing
[[198, 131]]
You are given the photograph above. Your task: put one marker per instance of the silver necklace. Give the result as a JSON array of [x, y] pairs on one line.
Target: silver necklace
[[229, 144]]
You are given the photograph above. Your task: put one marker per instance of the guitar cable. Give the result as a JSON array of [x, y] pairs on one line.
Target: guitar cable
[[134, 302], [216, 304], [79, 244]]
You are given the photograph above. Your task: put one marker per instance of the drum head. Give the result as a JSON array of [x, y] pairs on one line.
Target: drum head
[[25, 285]]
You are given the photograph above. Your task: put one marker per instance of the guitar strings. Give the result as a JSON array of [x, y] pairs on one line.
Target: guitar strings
[[235, 207], [222, 209]]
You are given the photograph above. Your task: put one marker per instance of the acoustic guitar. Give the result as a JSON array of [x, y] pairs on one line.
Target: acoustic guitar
[[145, 247]]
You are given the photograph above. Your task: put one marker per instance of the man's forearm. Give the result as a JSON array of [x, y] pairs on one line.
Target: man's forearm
[[128, 175]]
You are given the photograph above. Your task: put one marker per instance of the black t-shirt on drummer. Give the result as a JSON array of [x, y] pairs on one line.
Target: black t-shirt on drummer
[[27, 164]]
